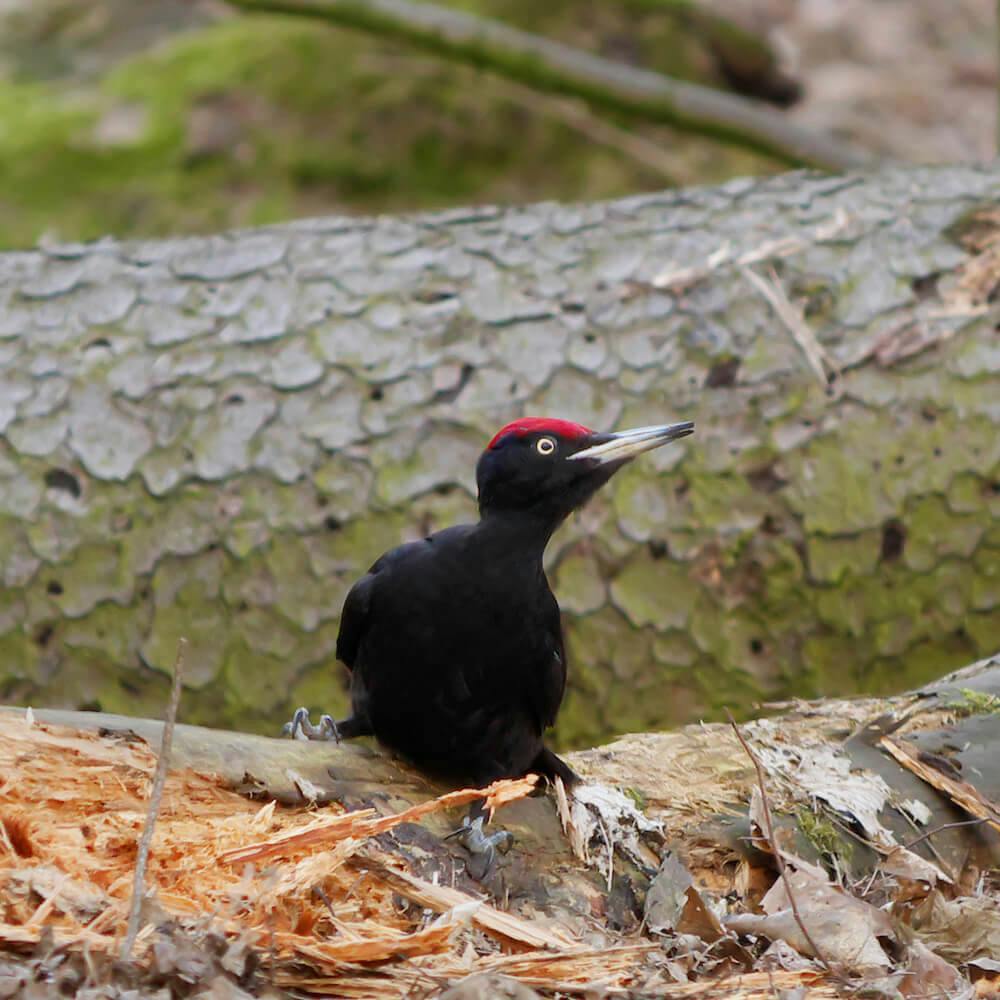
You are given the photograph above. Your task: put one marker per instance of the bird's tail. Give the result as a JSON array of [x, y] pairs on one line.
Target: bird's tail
[[548, 765]]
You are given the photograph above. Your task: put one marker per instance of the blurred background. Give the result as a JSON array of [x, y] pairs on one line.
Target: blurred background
[[171, 116]]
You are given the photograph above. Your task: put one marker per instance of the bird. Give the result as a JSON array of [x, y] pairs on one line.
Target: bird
[[454, 642]]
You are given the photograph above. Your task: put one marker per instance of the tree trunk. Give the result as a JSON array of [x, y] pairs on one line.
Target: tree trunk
[[213, 437]]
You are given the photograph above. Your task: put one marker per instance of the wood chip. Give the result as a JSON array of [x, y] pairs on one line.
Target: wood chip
[[960, 792], [443, 898], [334, 954], [365, 823]]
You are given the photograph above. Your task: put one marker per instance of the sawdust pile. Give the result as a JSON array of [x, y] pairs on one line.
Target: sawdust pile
[[246, 898], [331, 911], [256, 894]]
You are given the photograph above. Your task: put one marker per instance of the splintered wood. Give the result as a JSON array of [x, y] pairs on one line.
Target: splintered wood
[[326, 907], [72, 807], [960, 792], [365, 823]]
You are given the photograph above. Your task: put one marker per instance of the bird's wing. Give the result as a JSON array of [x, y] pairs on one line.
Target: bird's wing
[[546, 693], [354, 617]]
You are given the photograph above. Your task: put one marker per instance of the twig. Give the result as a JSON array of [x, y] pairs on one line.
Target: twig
[[679, 279], [938, 857], [552, 66], [780, 861], [946, 826], [578, 116], [819, 361], [155, 798]]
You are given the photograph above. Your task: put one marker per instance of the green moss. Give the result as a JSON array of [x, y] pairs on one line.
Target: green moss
[[578, 582], [842, 609], [344, 486], [831, 559], [834, 662], [674, 649], [357, 544], [727, 635], [725, 503], [37, 156], [254, 682], [784, 573], [969, 492], [984, 629], [934, 530], [95, 573], [20, 659], [636, 796], [644, 507], [923, 662], [321, 688], [656, 592], [986, 582], [591, 646], [767, 357], [187, 604], [832, 486], [86, 678], [114, 632], [717, 693], [261, 118], [973, 702], [824, 836]]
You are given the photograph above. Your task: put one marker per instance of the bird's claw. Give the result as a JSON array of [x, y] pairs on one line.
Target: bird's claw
[[483, 847], [301, 727]]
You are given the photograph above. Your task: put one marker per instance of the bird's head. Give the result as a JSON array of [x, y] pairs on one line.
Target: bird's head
[[549, 467]]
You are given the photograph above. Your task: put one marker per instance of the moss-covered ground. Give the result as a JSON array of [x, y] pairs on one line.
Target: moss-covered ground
[[251, 119]]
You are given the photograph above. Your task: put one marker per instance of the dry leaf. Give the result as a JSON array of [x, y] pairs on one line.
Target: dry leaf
[[959, 930], [905, 864], [928, 975], [844, 929]]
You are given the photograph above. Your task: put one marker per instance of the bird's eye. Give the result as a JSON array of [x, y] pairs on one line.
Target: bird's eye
[[545, 446]]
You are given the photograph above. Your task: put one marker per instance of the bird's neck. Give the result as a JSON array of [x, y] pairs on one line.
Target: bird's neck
[[522, 534]]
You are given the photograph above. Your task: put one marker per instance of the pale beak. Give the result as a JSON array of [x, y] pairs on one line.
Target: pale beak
[[624, 445]]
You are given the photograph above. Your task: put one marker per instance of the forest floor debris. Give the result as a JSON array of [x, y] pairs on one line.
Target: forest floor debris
[[246, 898]]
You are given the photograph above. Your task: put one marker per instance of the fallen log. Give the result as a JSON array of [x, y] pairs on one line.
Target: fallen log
[[214, 437], [326, 867]]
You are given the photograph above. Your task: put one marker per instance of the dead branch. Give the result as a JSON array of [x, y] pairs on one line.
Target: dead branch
[[155, 799], [557, 68], [960, 792]]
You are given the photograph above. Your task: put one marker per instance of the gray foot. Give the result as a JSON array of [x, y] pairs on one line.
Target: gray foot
[[301, 728], [483, 847]]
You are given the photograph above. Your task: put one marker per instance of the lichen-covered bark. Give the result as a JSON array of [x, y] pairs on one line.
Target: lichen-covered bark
[[214, 437]]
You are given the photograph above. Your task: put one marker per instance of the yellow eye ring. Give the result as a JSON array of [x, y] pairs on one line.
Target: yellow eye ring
[[545, 446]]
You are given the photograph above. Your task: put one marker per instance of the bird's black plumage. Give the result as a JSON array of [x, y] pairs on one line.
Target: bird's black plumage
[[454, 642], [456, 651]]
